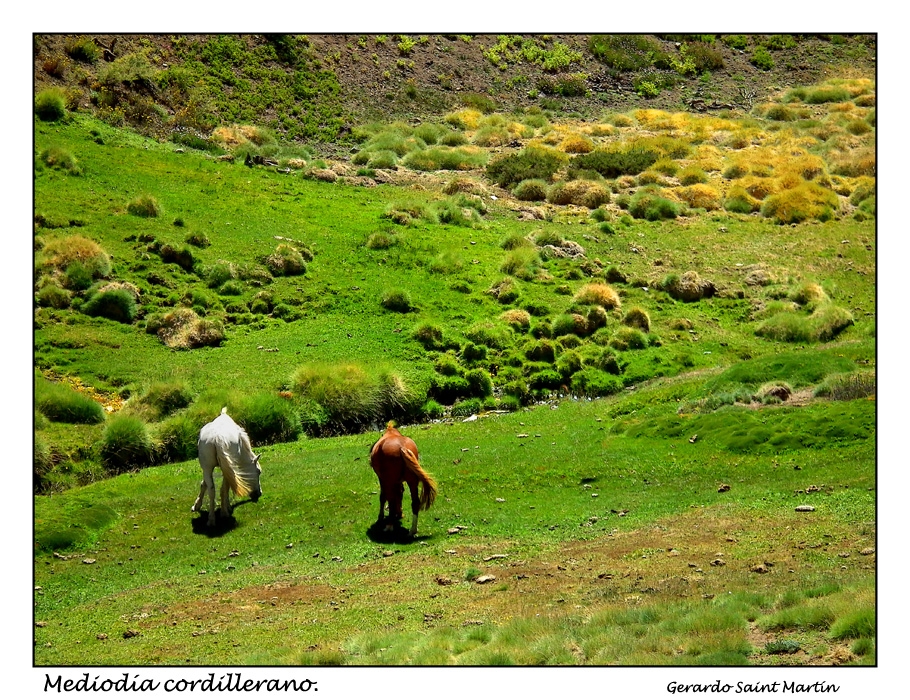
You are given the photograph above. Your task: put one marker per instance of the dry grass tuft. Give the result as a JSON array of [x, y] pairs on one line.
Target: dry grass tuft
[[701, 197], [183, 329], [600, 294], [519, 319]]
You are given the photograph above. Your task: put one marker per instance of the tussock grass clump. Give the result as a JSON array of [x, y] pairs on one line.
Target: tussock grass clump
[[345, 396], [739, 201], [576, 143], [183, 329], [847, 386], [615, 161], [595, 382], [114, 302], [692, 175], [381, 240], [50, 105], [63, 404], [806, 201], [268, 418], [583, 193], [287, 260], [443, 158], [629, 338], [531, 190], [690, 286], [570, 324], [397, 300], [126, 443], [165, 398], [518, 319], [60, 158], [825, 323], [59, 254], [51, 295], [649, 203], [701, 197], [810, 295], [522, 263], [144, 206], [600, 294], [637, 317], [531, 163], [506, 290]]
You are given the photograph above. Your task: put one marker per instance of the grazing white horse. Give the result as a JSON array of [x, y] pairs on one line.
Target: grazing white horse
[[223, 443]]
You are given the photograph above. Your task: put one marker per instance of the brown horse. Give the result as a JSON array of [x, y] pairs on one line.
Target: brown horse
[[394, 459]]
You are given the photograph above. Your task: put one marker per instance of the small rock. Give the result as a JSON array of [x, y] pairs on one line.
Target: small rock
[[804, 509], [495, 556], [718, 562], [101, 635], [522, 435], [388, 553], [500, 500], [40, 623], [486, 578], [444, 581], [867, 551], [88, 561], [723, 487], [759, 569], [131, 633]]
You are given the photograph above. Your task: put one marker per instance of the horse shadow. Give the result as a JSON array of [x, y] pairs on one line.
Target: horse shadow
[[397, 535], [222, 525]]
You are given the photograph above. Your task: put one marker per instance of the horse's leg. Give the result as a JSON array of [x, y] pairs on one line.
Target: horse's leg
[[210, 485], [415, 505], [198, 503], [399, 497], [382, 502], [225, 498]]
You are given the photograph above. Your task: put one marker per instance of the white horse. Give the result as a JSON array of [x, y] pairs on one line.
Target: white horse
[[223, 443]]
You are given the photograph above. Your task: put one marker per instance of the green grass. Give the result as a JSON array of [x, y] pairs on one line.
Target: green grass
[[598, 505]]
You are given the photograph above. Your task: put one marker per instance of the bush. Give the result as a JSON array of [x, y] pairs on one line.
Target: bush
[[761, 58], [429, 335], [182, 329], [63, 404], [627, 338], [126, 444], [700, 197], [52, 296], [115, 304], [50, 105], [519, 262], [381, 240], [82, 49], [397, 300], [178, 437], [599, 294], [468, 407], [268, 419], [532, 163], [165, 398], [582, 193], [848, 386], [595, 382], [636, 317], [615, 161], [349, 397], [55, 157], [490, 334], [806, 201], [62, 254], [648, 203], [739, 201], [479, 382], [286, 260], [531, 191], [144, 206], [570, 324]]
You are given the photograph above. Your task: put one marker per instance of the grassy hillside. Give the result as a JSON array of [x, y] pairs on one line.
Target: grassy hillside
[[630, 337]]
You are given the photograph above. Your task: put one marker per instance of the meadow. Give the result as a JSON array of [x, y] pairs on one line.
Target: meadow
[[638, 354]]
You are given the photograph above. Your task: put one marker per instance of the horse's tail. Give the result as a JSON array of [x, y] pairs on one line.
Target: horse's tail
[[428, 488], [237, 483]]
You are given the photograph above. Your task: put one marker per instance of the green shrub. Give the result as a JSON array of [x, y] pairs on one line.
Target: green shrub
[[52, 296], [82, 49], [286, 260], [531, 191], [268, 418], [126, 444], [165, 398], [594, 382], [144, 206], [648, 203], [628, 338], [381, 240], [63, 404], [637, 317], [806, 201], [50, 105], [615, 161], [115, 304], [177, 437], [826, 94], [60, 158], [545, 379], [448, 388], [397, 300], [490, 334], [692, 175], [532, 163], [761, 58], [467, 407], [570, 324], [847, 386], [429, 335]]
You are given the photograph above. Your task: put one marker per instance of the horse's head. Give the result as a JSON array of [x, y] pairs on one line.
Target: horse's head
[[254, 477]]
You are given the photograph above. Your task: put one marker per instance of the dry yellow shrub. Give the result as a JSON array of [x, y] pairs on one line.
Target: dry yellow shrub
[[517, 318], [467, 118], [758, 187], [700, 196], [576, 143], [596, 293]]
